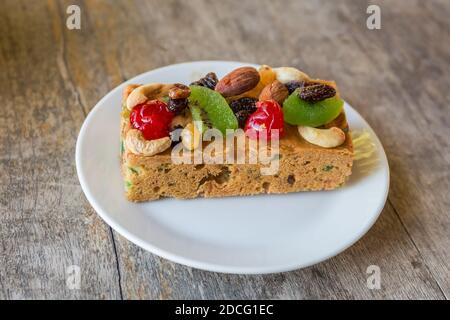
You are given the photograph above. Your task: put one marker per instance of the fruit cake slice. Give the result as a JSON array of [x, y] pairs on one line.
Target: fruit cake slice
[[315, 150]]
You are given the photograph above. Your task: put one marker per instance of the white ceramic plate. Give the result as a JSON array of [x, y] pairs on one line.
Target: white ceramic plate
[[257, 234]]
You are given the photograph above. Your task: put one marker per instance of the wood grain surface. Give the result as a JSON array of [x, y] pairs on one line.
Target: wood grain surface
[[50, 78]]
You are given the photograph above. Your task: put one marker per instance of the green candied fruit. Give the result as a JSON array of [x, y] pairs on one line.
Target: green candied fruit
[[128, 185], [299, 112], [328, 167], [200, 116], [207, 103]]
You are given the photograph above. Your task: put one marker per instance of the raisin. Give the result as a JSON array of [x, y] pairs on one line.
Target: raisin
[[245, 103], [177, 105], [295, 84], [292, 85], [242, 117], [208, 81], [317, 92], [243, 108]]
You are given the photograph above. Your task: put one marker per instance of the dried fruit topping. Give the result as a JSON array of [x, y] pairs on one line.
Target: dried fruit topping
[[246, 103], [209, 107], [274, 91], [254, 93], [267, 118], [317, 92], [179, 91], [177, 100], [209, 81], [177, 105], [238, 81], [155, 130], [266, 74], [295, 84], [326, 82], [152, 118], [242, 117], [243, 108], [300, 112], [156, 110]]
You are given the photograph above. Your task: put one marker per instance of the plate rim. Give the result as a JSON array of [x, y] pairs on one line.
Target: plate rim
[[207, 266]]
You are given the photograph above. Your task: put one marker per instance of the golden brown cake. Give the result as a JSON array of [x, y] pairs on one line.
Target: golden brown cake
[[303, 166]]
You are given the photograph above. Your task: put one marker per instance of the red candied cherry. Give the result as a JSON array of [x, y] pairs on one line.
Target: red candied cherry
[[135, 117], [267, 117], [156, 108], [154, 130], [152, 118]]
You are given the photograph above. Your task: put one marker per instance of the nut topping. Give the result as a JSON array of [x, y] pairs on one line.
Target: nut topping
[[238, 81], [179, 91], [326, 138], [274, 91], [147, 92], [286, 74], [178, 98], [137, 144], [128, 89]]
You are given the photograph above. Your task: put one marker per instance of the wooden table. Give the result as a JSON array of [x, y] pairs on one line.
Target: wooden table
[[50, 77]]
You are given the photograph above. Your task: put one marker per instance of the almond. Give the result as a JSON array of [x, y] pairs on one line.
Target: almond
[[238, 81], [274, 91]]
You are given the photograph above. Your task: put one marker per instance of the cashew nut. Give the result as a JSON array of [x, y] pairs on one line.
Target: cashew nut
[[190, 137], [136, 143], [127, 90], [147, 92], [286, 74], [327, 138]]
